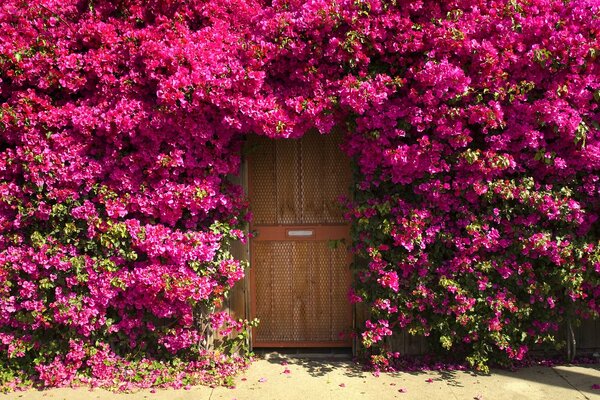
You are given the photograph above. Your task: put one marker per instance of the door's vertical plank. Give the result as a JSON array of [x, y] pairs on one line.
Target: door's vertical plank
[[287, 185], [413, 344], [312, 151], [238, 302], [596, 333], [263, 182], [322, 290], [281, 299], [301, 300], [237, 295], [588, 335], [341, 315], [263, 270]]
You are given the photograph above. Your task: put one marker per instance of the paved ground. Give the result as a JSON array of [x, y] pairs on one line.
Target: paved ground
[[304, 379]]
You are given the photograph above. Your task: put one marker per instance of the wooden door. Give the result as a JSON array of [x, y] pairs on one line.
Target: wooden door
[[299, 272]]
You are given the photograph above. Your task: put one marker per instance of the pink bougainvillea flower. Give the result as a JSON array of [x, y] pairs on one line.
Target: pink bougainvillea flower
[[402, 390], [262, 380], [286, 371], [429, 380], [596, 386], [343, 385]]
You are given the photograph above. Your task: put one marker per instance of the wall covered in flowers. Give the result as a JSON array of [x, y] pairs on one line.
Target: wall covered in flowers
[[474, 127]]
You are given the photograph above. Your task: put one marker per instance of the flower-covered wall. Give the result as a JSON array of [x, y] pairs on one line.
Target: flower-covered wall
[[474, 127], [115, 212]]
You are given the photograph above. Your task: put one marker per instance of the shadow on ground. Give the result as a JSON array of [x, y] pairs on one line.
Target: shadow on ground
[[571, 377], [317, 364]]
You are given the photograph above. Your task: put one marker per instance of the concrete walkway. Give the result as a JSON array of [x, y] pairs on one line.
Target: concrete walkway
[[307, 379]]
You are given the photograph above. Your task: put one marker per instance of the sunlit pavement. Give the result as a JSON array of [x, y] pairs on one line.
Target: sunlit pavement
[[289, 378]]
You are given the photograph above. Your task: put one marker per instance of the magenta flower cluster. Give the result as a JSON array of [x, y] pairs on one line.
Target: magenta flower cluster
[[474, 126]]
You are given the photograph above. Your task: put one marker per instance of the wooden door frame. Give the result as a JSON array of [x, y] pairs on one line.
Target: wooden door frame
[[321, 230]]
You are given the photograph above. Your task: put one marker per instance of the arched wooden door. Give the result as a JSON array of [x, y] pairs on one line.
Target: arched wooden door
[[299, 262]]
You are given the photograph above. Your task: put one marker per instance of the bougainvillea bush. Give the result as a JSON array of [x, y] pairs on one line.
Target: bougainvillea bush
[[477, 139], [474, 127], [115, 214]]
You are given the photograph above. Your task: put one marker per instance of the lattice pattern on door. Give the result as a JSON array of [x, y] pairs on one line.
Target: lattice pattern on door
[[299, 284], [301, 290], [306, 175]]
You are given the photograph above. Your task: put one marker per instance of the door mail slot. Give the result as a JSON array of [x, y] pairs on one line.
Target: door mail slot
[[301, 232]]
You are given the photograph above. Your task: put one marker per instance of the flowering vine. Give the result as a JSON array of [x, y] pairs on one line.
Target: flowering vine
[[473, 124]]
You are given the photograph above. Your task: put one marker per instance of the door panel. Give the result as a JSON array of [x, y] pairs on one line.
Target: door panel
[[301, 294], [299, 267]]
